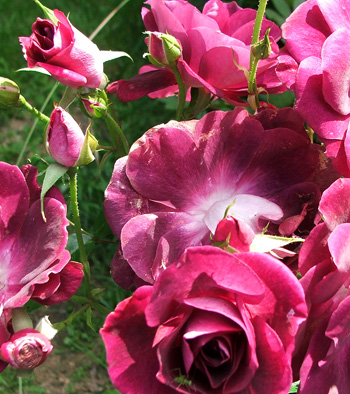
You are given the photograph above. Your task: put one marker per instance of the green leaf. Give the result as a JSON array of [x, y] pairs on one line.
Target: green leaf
[[86, 155], [282, 7], [49, 14], [89, 318], [36, 69], [110, 55], [97, 291], [53, 173], [294, 388], [63, 324], [72, 244]]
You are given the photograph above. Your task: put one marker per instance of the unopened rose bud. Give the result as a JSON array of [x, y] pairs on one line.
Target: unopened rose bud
[[9, 93], [94, 107], [163, 49], [262, 49], [26, 349], [66, 141]]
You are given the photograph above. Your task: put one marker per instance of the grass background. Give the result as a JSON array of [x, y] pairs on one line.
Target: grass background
[[79, 344]]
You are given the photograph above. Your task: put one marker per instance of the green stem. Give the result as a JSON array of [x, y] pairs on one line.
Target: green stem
[[252, 88], [257, 26], [31, 131], [33, 110], [94, 304], [182, 93], [101, 308], [116, 133], [107, 19], [104, 147], [73, 186], [62, 325]]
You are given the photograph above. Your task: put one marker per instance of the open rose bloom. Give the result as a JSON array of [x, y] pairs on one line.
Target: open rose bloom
[[181, 178], [34, 262], [215, 47], [316, 66], [212, 323], [324, 341]]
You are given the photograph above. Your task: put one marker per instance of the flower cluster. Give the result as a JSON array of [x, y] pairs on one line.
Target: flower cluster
[[233, 226], [215, 51]]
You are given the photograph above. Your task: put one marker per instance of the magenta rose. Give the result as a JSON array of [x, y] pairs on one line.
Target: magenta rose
[[65, 138], [26, 349], [214, 322], [316, 66], [180, 179], [62, 50], [210, 40], [5, 334], [324, 341], [34, 261], [66, 142]]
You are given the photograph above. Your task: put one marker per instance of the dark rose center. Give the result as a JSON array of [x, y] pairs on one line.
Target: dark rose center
[[44, 32], [215, 353], [218, 358], [28, 356]]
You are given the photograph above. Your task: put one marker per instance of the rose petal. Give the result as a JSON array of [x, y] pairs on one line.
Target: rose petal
[[132, 365], [336, 71]]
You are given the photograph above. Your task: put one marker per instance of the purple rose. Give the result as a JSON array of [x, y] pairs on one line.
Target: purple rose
[[213, 322], [62, 50], [213, 43], [26, 349], [180, 178], [34, 262], [323, 348], [65, 140], [316, 66]]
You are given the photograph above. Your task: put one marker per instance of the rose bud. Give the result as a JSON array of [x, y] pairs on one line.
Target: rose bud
[[26, 349], [66, 141], [262, 49], [9, 93], [93, 106], [62, 50], [164, 49]]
